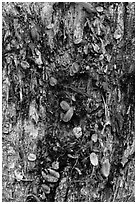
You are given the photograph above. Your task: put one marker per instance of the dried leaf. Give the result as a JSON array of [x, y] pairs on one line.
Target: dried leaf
[[94, 137], [99, 9], [84, 191], [55, 165], [74, 68], [33, 112], [53, 81], [117, 34], [106, 168], [38, 59], [46, 188], [78, 34], [18, 175], [25, 65], [94, 159], [34, 33], [96, 47], [31, 157], [64, 105], [49, 177], [54, 173], [67, 117], [77, 132]]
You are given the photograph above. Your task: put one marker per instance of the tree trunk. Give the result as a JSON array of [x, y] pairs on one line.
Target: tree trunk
[[68, 72]]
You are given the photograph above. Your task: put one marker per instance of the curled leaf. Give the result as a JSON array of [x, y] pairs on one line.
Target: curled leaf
[[106, 168], [53, 81], [64, 105], [78, 170], [31, 157], [68, 115], [94, 159]]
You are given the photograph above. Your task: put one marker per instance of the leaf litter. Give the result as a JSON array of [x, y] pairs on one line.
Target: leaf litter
[[66, 69]]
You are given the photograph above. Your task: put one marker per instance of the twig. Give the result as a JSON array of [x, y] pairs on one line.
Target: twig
[[107, 121]]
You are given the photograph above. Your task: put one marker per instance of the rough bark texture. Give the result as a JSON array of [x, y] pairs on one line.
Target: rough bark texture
[[83, 54]]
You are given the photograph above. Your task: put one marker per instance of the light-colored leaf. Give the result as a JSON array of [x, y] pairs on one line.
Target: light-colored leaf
[[99, 9], [46, 188], [38, 59], [18, 175], [33, 112], [78, 33], [117, 34], [31, 157], [53, 81], [54, 173], [64, 105], [25, 65], [77, 132], [94, 137], [67, 117], [74, 68], [55, 165], [94, 159], [106, 168], [49, 177]]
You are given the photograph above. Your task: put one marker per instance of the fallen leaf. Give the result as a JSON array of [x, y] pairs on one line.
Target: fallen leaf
[[106, 168], [38, 59], [84, 191], [94, 137], [49, 177], [55, 165], [18, 175], [33, 112], [77, 132], [68, 115], [54, 173], [31, 157], [99, 9], [78, 34], [53, 81], [94, 159], [74, 68], [46, 188], [25, 65], [64, 105], [34, 33], [117, 34]]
